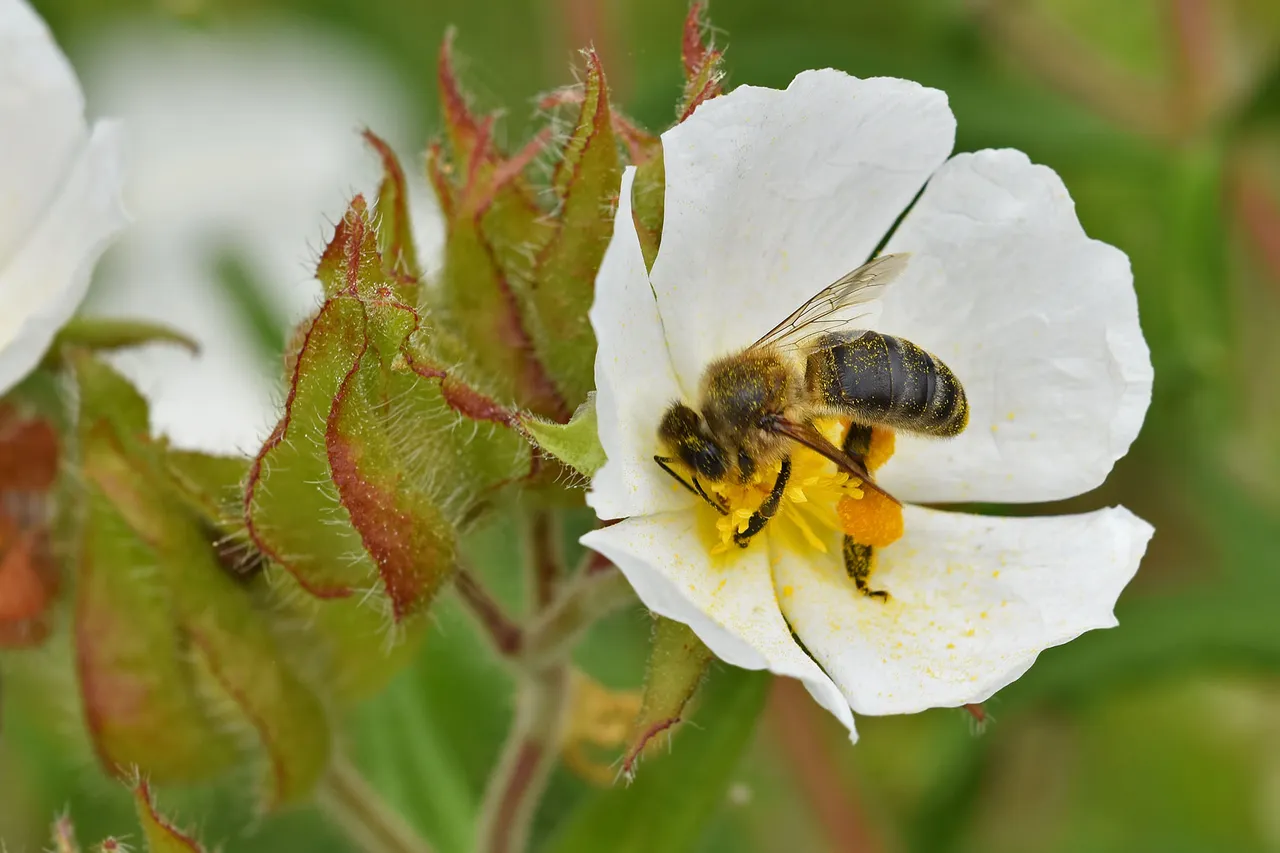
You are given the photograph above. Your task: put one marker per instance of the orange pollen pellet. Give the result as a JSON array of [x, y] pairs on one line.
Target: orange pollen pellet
[[882, 443], [871, 520]]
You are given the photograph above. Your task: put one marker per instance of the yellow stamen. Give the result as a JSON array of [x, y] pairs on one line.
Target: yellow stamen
[[820, 500]]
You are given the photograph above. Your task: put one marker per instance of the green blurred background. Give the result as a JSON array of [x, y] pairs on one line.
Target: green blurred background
[[1163, 117]]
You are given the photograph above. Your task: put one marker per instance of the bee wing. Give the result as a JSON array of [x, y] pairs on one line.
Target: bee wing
[[828, 309]]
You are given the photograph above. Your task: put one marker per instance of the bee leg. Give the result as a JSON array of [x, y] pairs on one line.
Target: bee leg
[[857, 562], [695, 486], [768, 508]]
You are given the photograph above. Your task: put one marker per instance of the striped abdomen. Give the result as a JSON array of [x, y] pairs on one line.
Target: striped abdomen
[[879, 379]]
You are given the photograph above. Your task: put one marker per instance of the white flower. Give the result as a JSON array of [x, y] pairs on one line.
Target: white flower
[[247, 143], [771, 195], [59, 191]]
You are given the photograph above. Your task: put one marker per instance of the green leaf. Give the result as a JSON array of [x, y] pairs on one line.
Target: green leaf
[[161, 835], [333, 497], [585, 184], [668, 806], [678, 662], [395, 228], [647, 198], [494, 228], [703, 65], [108, 333], [226, 673], [577, 443]]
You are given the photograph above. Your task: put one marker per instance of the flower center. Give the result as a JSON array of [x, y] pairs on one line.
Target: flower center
[[819, 498]]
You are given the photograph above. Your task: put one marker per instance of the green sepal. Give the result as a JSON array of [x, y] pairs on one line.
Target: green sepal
[[105, 334], [175, 658], [395, 227], [585, 185], [576, 444], [494, 228], [678, 663], [370, 380], [160, 835], [703, 64]]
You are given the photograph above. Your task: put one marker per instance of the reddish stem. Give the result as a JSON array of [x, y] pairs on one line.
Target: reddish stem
[[507, 636]]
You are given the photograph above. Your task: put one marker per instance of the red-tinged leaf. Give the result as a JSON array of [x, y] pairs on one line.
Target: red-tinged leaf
[[402, 528], [351, 264], [395, 227], [439, 172], [229, 649], [477, 297], [693, 50], [466, 133], [292, 511], [703, 64], [160, 834], [678, 662], [586, 185], [130, 660]]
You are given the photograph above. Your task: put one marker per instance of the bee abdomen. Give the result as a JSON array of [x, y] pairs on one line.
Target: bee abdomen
[[881, 379]]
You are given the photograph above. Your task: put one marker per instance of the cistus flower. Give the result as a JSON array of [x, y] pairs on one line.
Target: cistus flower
[[770, 196], [59, 191]]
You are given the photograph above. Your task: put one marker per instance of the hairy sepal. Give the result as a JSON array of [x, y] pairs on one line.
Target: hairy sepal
[[494, 231], [576, 444], [178, 667], [678, 663], [159, 833], [703, 63], [384, 449], [585, 185]]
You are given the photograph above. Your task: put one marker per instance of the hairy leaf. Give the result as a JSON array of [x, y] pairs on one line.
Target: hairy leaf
[[678, 662], [576, 444], [585, 184]]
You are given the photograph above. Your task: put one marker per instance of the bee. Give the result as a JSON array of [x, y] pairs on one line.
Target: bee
[[755, 405]]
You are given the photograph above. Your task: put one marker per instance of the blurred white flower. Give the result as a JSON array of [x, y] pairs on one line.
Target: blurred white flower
[[244, 147], [769, 196], [59, 191]]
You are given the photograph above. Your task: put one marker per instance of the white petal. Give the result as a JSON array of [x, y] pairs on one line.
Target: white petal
[[42, 127], [634, 380], [43, 283], [1039, 323], [772, 195], [729, 603], [973, 601]]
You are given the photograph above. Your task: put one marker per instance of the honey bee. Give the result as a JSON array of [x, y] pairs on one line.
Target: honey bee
[[754, 405]]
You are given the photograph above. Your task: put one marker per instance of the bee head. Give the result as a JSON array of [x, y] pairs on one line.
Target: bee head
[[686, 434]]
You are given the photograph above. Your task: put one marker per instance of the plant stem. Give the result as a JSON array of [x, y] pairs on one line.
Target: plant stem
[[353, 804], [588, 598], [546, 561], [506, 634], [516, 786]]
